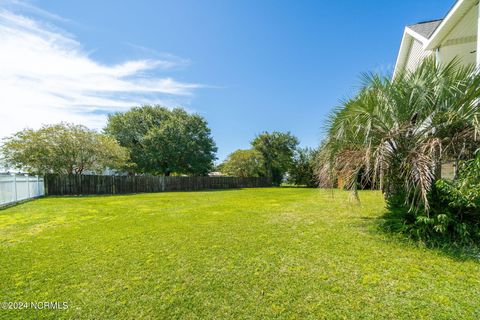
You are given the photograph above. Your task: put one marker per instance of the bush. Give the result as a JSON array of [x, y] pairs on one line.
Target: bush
[[455, 213], [302, 172], [244, 163]]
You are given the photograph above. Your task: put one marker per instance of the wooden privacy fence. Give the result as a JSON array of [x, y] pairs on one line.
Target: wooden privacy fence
[[91, 184]]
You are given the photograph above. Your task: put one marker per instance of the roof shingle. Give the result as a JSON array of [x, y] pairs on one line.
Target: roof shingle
[[426, 28]]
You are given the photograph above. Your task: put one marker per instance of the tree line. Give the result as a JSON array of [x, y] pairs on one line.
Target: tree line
[[144, 140], [276, 155], [154, 140]]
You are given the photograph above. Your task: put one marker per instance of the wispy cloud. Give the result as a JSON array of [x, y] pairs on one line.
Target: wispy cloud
[[46, 76], [172, 61], [28, 7]]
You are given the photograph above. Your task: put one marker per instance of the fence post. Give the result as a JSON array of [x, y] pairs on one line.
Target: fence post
[[37, 188], [28, 185], [14, 185]]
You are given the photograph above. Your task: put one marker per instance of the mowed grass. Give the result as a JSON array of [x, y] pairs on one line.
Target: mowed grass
[[283, 253]]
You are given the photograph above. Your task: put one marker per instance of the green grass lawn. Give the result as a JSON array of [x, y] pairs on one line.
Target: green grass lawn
[[285, 253]]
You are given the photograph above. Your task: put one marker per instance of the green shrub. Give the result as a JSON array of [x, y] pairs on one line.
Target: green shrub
[[455, 212], [302, 171]]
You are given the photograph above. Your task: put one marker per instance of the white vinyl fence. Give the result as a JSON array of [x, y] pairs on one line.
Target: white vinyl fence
[[18, 187]]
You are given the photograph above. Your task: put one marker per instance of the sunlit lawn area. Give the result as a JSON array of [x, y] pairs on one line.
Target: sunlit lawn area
[[287, 253]]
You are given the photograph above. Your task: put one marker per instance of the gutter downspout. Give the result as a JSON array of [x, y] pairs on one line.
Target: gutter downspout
[[437, 56]]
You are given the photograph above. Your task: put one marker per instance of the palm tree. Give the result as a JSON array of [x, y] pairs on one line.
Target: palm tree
[[396, 132]]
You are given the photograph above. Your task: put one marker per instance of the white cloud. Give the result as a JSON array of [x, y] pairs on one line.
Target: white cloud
[[47, 77]]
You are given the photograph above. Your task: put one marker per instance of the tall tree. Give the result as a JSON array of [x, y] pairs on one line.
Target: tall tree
[[63, 148], [244, 163], [163, 141], [277, 149]]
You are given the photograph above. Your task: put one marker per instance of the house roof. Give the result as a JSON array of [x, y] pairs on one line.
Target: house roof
[[456, 13], [426, 28], [431, 33]]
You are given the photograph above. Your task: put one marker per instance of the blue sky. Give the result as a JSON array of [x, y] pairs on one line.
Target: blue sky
[[246, 66]]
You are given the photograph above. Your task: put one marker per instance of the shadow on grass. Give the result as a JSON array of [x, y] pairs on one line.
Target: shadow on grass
[[286, 186], [19, 202], [395, 224]]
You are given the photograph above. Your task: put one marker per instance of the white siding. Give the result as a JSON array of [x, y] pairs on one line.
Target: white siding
[[461, 42], [415, 55]]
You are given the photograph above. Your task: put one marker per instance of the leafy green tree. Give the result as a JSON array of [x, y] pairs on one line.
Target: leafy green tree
[[64, 149], [277, 149], [303, 169], [163, 141], [244, 163]]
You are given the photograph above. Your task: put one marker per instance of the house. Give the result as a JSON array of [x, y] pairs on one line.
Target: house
[[456, 35]]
